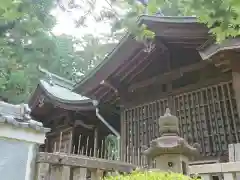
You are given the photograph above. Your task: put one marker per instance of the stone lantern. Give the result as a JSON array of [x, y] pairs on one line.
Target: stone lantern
[[171, 152]]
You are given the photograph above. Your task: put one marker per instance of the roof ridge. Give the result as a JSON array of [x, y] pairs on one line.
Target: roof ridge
[[58, 80]]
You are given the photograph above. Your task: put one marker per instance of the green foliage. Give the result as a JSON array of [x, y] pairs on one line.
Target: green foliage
[[221, 16], [137, 175], [111, 145], [26, 42]]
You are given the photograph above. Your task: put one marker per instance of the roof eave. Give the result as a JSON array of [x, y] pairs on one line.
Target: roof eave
[[51, 96], [79, 87], [211, 50]]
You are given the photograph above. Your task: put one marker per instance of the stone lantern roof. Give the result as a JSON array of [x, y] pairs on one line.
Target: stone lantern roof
[[169, 141]]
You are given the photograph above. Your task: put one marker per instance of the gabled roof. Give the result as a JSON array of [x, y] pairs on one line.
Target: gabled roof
[[60, 81], [162, 26]]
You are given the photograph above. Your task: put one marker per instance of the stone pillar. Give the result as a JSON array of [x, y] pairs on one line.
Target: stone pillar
[[206, 177], [79, 173], [96, 174], [60, 172], [65, 170], [228, 176], [42, 171]]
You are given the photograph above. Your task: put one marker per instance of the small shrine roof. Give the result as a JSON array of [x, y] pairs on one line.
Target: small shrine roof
[[57, 91], [61, 93]]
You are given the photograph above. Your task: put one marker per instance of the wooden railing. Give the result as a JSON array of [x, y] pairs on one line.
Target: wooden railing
[[221, 171]]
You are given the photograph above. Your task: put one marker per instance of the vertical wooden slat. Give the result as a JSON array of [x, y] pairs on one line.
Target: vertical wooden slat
[[127, 136], [138, 134], [141, 131], [221, 125], [218, 138], [203, 115], [232, 114], [179, 115], [226, 117], [155, 127], [122, 134]]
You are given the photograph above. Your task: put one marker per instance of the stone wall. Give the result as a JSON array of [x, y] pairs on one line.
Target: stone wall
[[19, 137]]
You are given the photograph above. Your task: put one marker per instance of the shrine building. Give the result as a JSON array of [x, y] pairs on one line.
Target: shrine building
[[181, 69]]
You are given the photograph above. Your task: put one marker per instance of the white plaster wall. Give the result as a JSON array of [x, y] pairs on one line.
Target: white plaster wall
[[18, 152], [14, 156]]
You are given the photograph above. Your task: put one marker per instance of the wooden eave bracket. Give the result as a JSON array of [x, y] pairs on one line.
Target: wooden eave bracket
[[168, 76]]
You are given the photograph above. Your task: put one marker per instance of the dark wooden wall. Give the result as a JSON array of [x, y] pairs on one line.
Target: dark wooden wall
[[207, 115]]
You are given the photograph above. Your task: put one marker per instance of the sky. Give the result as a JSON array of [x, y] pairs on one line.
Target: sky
[[66, 25]]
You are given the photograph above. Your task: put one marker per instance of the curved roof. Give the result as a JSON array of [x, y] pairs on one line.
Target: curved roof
[[62, 94], [210, 50], [59, 92]]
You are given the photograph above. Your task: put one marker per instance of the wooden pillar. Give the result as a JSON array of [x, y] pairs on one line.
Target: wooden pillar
[[79, 173], [236, 80], [235, 64], [95, 152], [123, 134], [42, 171]]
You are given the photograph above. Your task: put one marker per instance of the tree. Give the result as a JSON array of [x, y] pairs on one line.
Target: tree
[[26, 42], [221, 17]]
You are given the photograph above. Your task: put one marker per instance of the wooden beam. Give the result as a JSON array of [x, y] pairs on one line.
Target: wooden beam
[[169, 76], [139, 53], [136, 64], [109, 85], [142, 68]]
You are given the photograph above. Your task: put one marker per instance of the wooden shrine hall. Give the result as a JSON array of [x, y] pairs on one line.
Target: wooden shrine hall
[[182, 69], [72, 118]]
